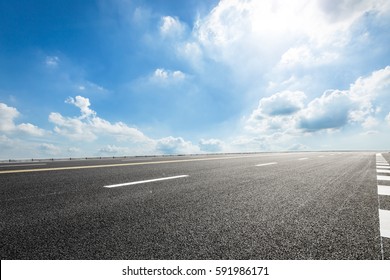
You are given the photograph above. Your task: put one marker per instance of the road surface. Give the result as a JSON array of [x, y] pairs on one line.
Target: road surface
[[313, 205]]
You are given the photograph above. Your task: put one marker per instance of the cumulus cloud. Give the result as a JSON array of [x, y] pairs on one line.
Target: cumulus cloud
[[7, 122], [83, 104], [175, 145], [276, 112], [88, 126], [7, 116], [31, 129], [282, 103], [164, 76], [171, 26], [211, 145], [49, 149], [330, 111], [276, 23], [361, 104]]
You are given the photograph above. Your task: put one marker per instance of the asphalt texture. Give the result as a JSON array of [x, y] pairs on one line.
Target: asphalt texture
[[302, 206]]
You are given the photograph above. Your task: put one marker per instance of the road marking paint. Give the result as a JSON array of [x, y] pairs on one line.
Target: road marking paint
[[264, 164], [304, 158], [384, 222], [145, 181], [382, 171], [383, 190], [383, 167], [383, 178], [321, 156], [17, 165], [121, 164]]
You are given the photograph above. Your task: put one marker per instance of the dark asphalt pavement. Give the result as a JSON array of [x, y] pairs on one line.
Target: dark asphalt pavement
[[302, 206]]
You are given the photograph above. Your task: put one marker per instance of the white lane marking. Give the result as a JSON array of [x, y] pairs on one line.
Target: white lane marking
[[383, 178], [321, 156], [382, 171], [383, 167], [304, 158], [145, 181], [384, 222], [383, 190], [264, 164], [17, 165]]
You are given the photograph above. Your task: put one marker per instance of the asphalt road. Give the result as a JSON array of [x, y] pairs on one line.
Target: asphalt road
[[250, 206]]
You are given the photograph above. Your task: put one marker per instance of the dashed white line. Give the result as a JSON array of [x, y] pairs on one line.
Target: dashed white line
[[145, 181], [383, 178], [382, 171], [304, 158], [383, 167], [383, 190], [265, 164], [384, 222]]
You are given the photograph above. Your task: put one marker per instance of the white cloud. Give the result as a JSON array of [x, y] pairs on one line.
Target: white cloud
[[254, 39], [83, 104], [165, 75], [52, 61], [370, 123], [388, 119], [7, 116], [277, 112], [304, 56], [330, 111], [211, 145], [73, 128], [49, 149], [31, 129], [88, 126], [161, 73], [282, 103], [175, 145], [7, 123], [171, 26], [361, 104]]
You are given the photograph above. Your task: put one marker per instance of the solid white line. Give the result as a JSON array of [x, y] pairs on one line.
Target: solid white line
[[304, 158], [383, 190], [384, 221], [264, 164], [383, 178], [17, 165], [145, 181], [382, 171]]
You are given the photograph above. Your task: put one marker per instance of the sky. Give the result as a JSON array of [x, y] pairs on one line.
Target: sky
[[138, 77]]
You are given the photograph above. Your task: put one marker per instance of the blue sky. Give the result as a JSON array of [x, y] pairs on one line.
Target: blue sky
[[122, 77]]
